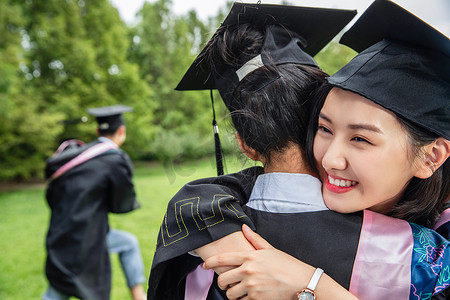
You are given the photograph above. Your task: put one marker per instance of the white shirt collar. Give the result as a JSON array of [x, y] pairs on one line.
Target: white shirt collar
[[287, 193], [105, 140]]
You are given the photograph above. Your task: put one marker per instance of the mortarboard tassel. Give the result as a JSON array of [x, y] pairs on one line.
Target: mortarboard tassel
[[219, 160]]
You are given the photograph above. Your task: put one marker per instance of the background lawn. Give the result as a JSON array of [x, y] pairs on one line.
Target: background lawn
[[24, 217]]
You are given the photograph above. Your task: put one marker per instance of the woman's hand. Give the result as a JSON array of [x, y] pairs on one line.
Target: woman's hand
[[265, 273], [230, 243]]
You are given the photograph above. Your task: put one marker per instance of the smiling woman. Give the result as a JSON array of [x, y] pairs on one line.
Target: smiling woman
[[363, 150]]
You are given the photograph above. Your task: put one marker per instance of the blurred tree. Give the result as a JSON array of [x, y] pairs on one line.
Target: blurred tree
[[58, 58], [26, 130], [78, 59], [120, 77], [164, 46]]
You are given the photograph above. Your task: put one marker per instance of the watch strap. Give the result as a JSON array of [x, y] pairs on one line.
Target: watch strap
[[315, 279]]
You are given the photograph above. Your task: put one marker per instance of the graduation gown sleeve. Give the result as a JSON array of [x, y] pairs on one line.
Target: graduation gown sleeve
[[201, 212], [121, 194]]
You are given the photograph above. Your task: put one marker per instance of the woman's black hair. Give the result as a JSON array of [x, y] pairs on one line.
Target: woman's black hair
[[270, 107], [423, 199], [320, 96]]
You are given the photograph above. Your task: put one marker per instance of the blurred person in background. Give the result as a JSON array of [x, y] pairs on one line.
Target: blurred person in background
[[86, 183]]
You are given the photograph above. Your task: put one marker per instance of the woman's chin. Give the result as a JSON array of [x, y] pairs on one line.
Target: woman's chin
[[338, 208]]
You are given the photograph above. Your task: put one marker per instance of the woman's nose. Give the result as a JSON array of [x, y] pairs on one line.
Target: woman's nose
[[334, 157]]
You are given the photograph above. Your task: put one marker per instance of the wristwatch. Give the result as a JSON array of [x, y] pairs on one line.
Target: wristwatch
[[308, 292]]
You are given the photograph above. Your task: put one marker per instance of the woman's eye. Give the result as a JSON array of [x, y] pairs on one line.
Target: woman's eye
[[323, 129], [360, 139]]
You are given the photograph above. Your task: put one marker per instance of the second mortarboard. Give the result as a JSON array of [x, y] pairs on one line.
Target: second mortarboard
[[315, 27], [405, 68], [109, 117]]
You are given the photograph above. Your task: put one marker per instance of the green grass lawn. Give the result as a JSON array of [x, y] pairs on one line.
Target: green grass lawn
[[24, 217]]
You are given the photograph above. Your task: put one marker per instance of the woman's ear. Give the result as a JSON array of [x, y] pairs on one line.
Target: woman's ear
[[436, 154], [247, 150]]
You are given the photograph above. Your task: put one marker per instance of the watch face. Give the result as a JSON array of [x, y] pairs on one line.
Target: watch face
[[306, 295]]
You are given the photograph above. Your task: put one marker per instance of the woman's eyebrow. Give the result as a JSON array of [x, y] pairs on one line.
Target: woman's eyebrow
[[360, 126], [368, 127], [323, 116]]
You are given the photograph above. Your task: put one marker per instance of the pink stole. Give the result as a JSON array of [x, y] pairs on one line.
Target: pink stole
[[383, 261], [443, 218], [84, 156]]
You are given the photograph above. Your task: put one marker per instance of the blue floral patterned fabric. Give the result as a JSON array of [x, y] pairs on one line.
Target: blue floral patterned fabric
[[430, 263]]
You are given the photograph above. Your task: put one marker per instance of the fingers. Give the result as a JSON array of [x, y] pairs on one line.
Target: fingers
[[255, 239], [237, 292], [230, 280], [230, 259]]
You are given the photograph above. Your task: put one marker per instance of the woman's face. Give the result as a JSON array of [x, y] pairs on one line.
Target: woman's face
[[363, 152]]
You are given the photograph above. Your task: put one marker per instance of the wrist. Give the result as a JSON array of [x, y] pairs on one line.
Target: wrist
[[308, 293]]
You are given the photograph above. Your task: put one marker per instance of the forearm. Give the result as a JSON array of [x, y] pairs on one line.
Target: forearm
[[268, 273], [330, 289], [327, 287], [296, 275]]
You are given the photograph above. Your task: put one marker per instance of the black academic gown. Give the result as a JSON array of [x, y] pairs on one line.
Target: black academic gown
[[208, 209], [203, 211], [77, 256]]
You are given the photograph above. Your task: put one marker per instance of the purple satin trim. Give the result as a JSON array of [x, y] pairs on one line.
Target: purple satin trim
[[443, 218], [382, 268], [198, 283]]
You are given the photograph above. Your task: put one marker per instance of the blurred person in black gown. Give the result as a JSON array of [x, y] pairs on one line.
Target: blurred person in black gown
[[86, 183]]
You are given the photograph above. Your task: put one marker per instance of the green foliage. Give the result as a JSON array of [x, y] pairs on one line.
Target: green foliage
[[26, 129], [80, 50], [164, 46], [58, 58], [333, 57]]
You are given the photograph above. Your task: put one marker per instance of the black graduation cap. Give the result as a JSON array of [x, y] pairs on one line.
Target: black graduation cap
[[299, 34], [386, 19], [109, 117], [406, 67], [316, 27]]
